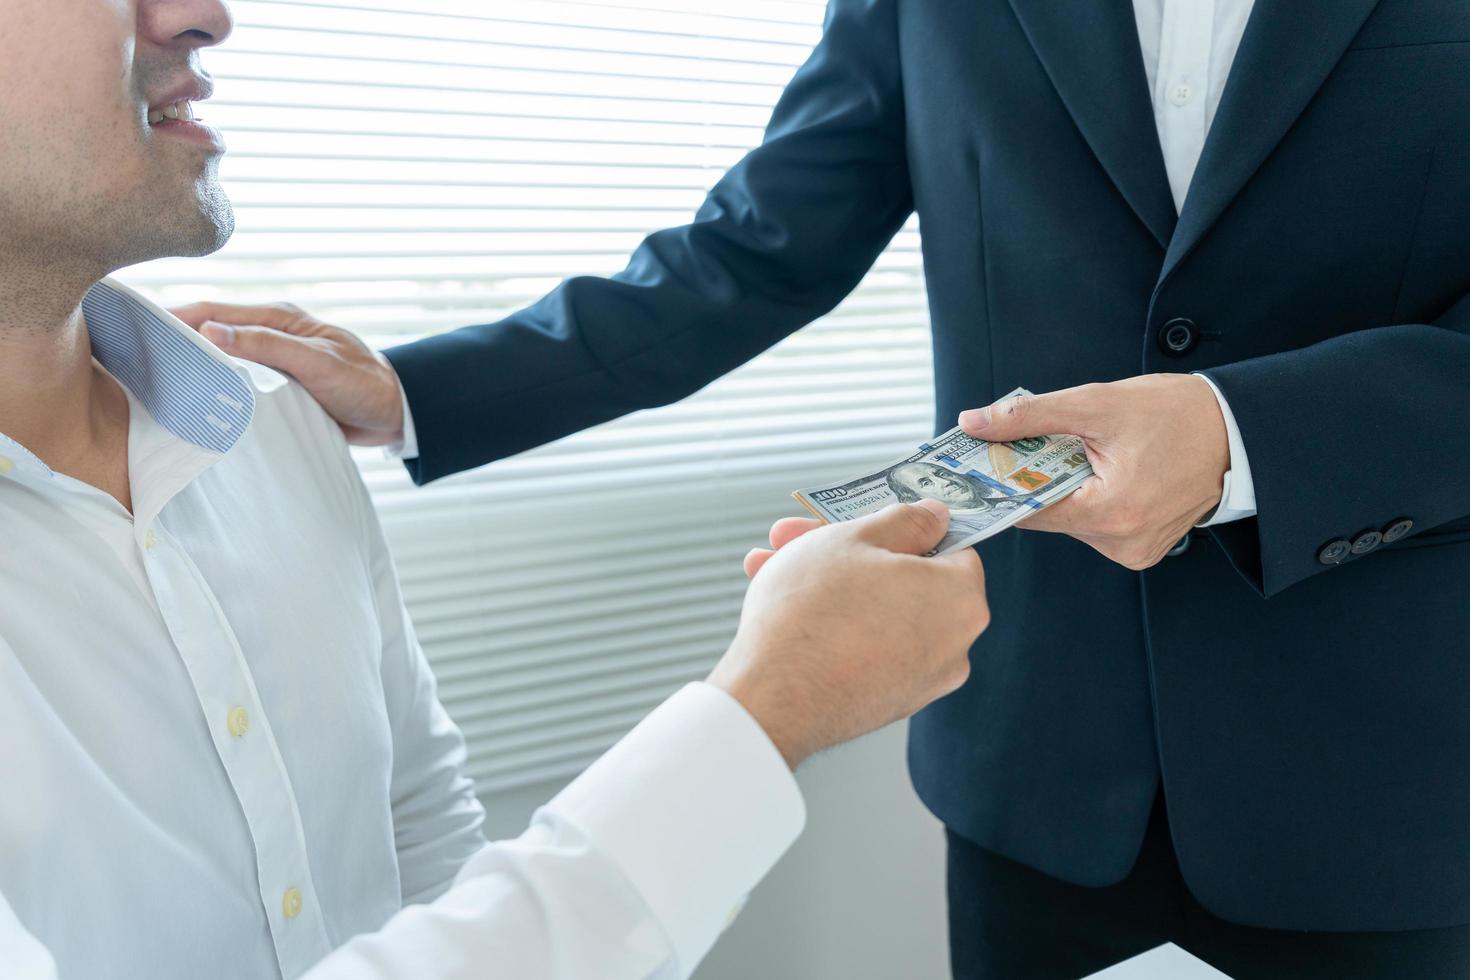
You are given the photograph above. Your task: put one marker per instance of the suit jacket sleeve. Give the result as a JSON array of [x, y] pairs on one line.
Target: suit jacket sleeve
[[1350, 435], [779, 241], [437, 819]]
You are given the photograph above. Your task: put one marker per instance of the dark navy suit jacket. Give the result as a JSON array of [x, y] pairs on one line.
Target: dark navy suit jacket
[[1310, 722]]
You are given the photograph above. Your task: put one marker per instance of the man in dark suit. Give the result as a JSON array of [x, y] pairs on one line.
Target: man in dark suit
[[1250, 738]]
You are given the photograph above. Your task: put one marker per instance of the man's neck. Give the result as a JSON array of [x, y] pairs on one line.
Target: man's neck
[[55, 400]]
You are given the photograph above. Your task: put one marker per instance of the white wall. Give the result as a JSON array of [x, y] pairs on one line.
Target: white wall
[[860, 896]]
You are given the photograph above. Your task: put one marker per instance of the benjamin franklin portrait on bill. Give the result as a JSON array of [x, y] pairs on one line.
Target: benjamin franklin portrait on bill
[[973, 504]]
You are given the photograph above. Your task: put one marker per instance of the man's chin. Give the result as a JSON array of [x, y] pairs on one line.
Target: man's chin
[[210, 240], [201, 229], [215, 223]]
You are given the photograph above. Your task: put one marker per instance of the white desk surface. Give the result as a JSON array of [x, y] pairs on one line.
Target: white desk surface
[[1165, 963]]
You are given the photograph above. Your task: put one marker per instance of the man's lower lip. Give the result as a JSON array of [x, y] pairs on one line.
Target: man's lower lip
[[191, 129]]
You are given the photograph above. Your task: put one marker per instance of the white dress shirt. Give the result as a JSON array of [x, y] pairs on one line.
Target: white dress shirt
[[1188, 48], [223, 754]]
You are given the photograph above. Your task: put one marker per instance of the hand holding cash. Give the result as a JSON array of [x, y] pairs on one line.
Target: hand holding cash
[[987, 486], [1159, 448]]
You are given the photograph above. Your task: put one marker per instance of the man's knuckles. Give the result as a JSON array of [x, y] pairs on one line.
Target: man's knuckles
[[285, 311], [1137, 555], [956, 676], [979, 620], [249, 340]]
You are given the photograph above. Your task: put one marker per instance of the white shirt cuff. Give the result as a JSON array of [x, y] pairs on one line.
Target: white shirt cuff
[[409, 447], [695, 806], [1238, 494], [23, 955]]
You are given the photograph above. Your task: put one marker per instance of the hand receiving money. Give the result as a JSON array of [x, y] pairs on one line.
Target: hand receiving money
[[987, 486]]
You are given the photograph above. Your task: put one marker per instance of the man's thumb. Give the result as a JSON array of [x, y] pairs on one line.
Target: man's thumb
[[1056, 413], [908, 529]]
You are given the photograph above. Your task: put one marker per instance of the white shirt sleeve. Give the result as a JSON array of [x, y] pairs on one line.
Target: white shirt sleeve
[[437, 818], [1238, 495], [631, 873], [22, 956], [409, 447]]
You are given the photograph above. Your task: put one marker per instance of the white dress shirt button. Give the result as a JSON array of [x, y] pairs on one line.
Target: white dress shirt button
[[1180, 93], [150, 540], [291, 903], [238, 721]]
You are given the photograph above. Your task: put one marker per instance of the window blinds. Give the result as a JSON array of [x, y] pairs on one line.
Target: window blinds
[[407, 166]]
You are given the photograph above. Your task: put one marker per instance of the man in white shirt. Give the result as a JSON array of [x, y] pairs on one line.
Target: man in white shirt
[[221, 750]]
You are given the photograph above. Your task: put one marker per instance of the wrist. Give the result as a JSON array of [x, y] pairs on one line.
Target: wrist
[[1215, 441], [738, 675], [398, 401]]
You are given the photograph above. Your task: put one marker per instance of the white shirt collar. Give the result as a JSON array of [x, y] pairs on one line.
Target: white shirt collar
[[187, 384], [196, 403]]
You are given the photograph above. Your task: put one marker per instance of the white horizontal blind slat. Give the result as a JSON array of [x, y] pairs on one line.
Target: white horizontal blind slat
[[404, 167]]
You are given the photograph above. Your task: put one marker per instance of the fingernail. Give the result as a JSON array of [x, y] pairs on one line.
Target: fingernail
[[218, 333], [975, 419], [933, 506]]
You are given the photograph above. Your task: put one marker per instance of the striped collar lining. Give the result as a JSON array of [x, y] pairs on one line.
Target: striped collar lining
[[189, 388]]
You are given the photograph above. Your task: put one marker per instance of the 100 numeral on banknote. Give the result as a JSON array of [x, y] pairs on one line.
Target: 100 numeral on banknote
[[987, 486]]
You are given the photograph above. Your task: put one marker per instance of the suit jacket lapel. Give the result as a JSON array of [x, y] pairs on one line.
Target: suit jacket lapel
[[1089, 49], [1288, 50]]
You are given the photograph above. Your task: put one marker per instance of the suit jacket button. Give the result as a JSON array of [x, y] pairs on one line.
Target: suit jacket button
[[1366, 542], [1397, 530], [1178, 336], [1335, 552]]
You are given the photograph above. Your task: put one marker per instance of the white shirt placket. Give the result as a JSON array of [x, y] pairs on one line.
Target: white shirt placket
[[247, 749], [1181, 88]]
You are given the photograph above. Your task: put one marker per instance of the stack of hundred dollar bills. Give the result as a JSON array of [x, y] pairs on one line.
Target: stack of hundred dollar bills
[[987, 486]]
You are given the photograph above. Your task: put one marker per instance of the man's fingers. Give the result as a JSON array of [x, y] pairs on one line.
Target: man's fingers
[[968, 561], [1061, 517], [788, 529], [1073, 411], [909, 529], [755, 559], [291, 355], [219, 334], [277, 316], [194, 314], [1086, 513]]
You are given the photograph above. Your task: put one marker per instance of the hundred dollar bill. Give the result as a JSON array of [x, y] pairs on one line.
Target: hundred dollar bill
[[987, 486]]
